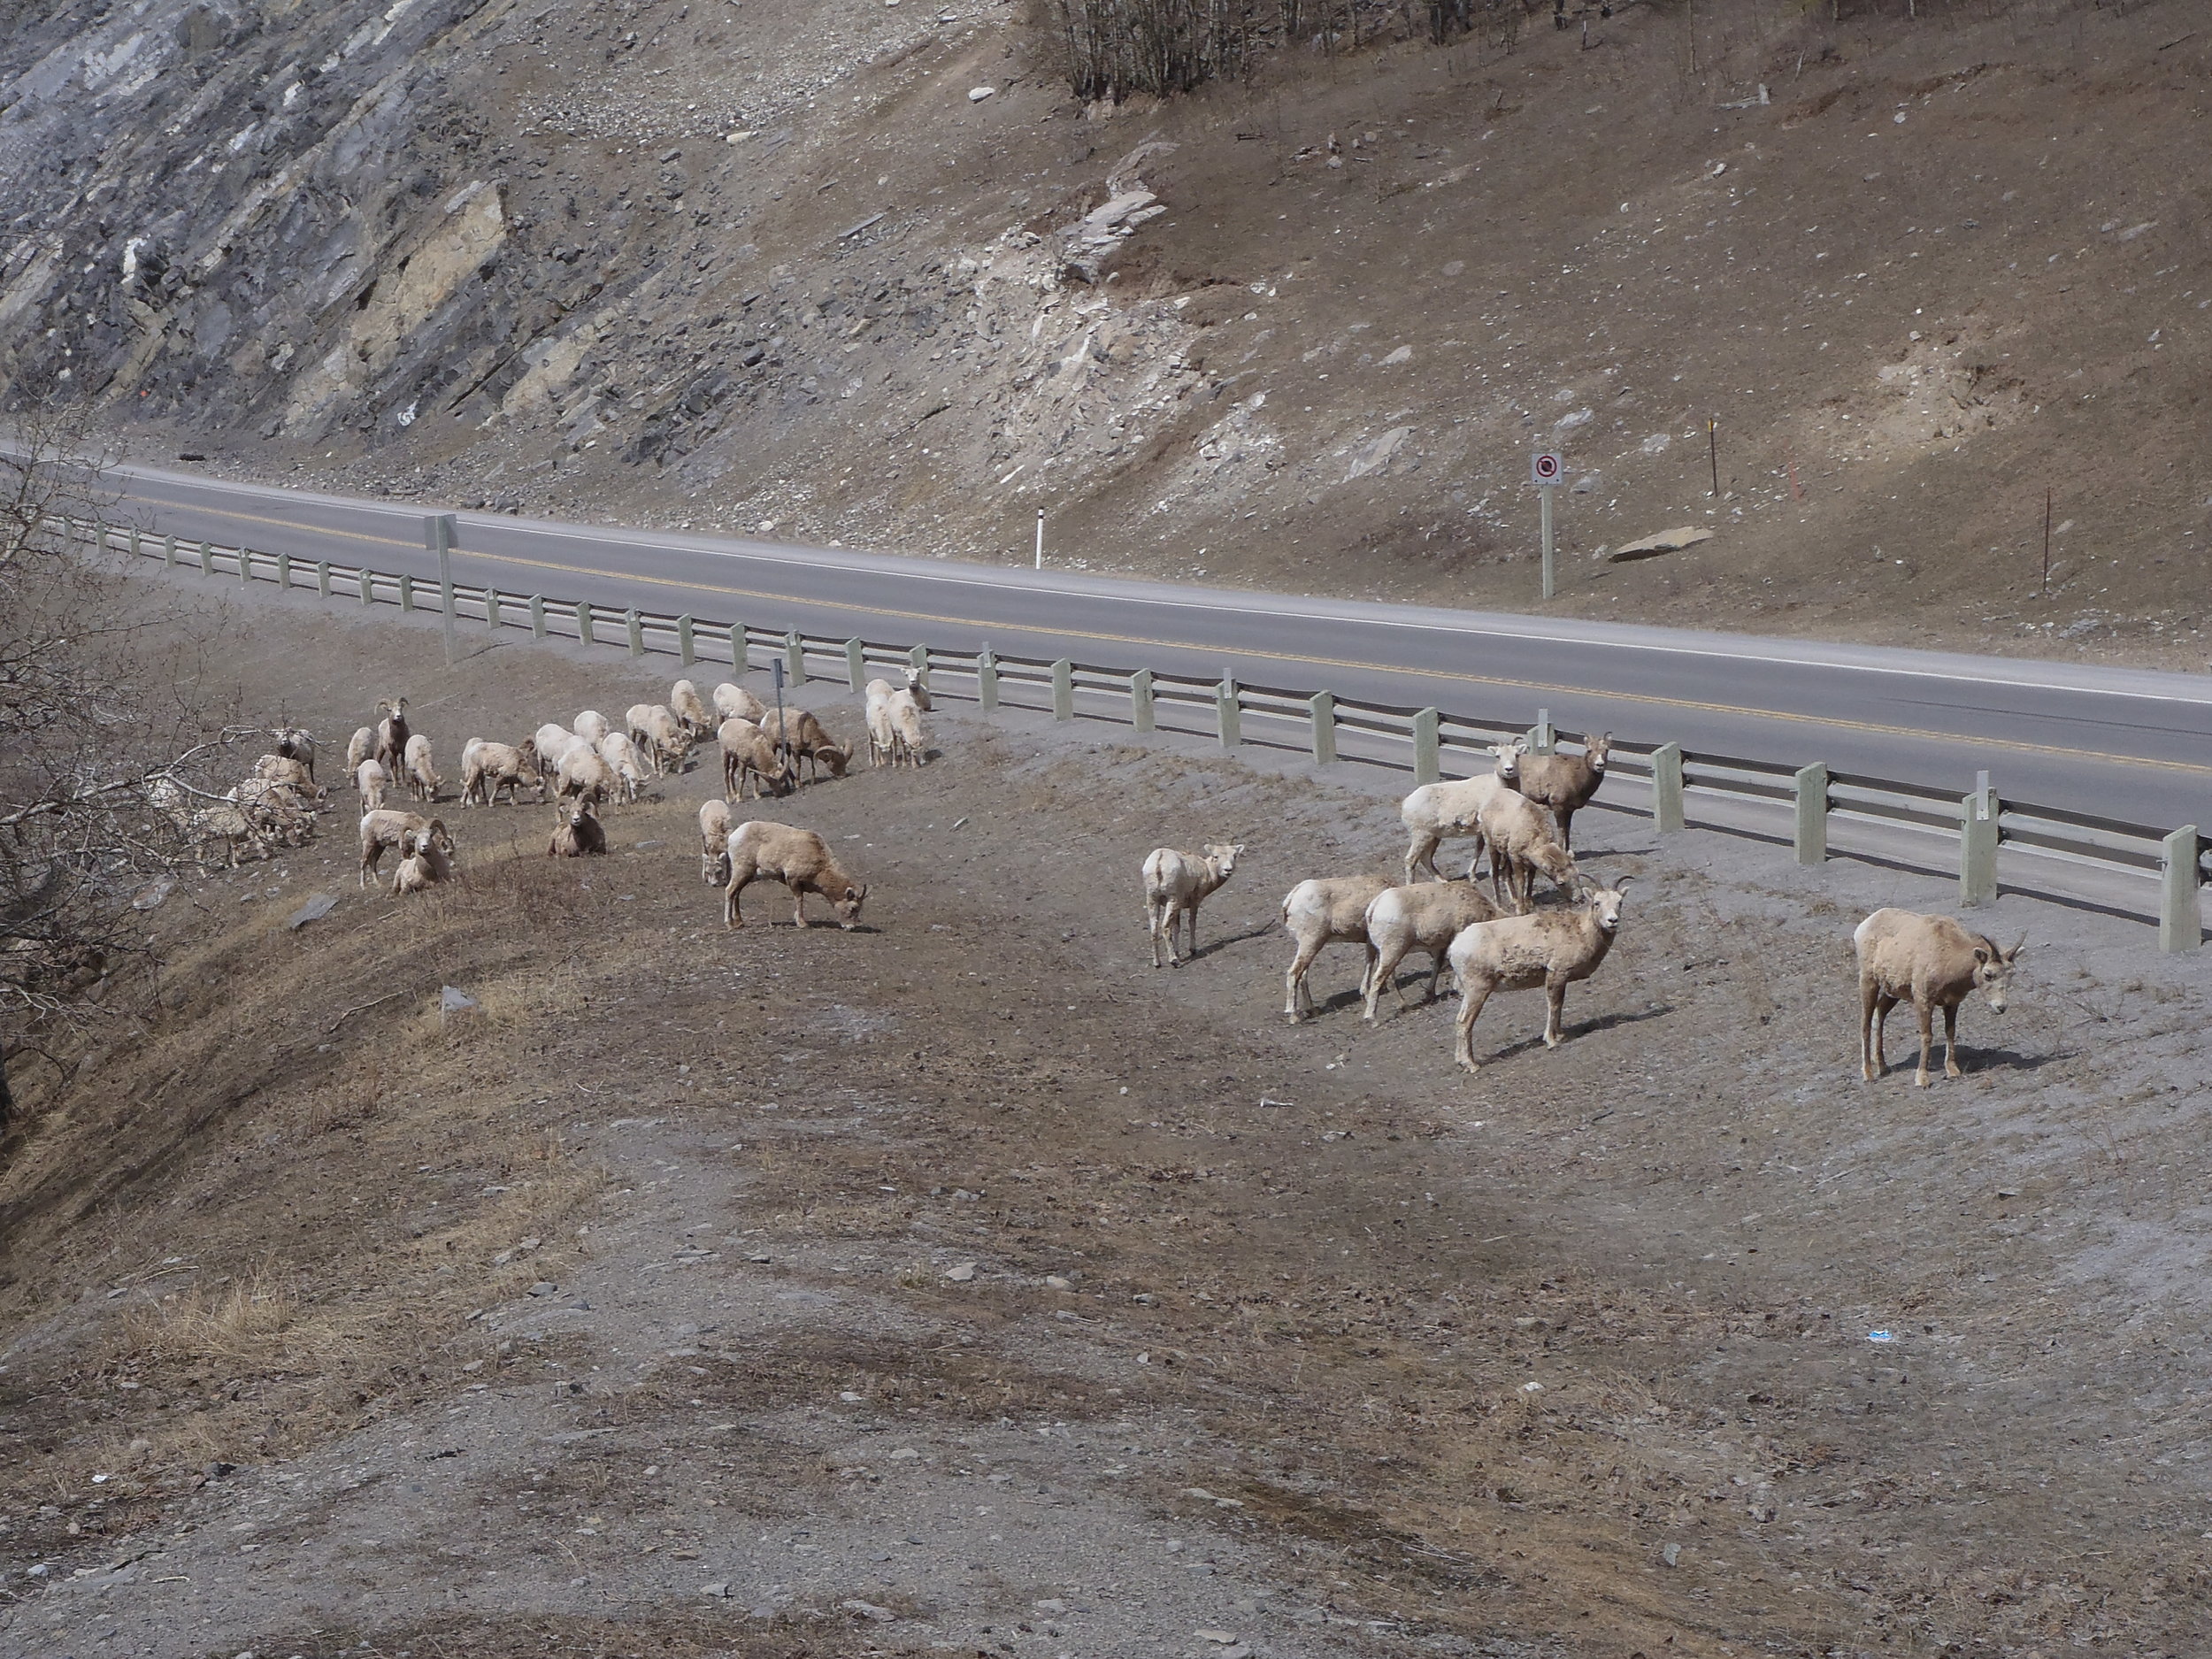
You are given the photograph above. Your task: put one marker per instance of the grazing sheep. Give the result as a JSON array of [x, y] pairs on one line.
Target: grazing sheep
[[1935, 962], [584, 772], [657, 735], [579, 834], [294, 743], [714, 841], [370, 778], [227, 822], [798, 858], [423, 781], [735, 702], [486, 768], [392, 732], [918, 688], [621, 757], [1174, 883], [383, 829], [279, 810], [1563, 783], [1521, 844], [424, 860], [1427, 916], [804, 738], [1553, 949], [1437, 812], [1328, 911], [748, 755], [683, 702], [360, 748], [591, 726], [908, 748]]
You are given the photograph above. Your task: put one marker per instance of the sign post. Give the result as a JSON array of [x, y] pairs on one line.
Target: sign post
[[1543, 471], [1041, 538], [438, 532], [775, 666]]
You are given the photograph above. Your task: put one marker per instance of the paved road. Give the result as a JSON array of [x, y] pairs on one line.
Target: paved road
[[2128, 744]]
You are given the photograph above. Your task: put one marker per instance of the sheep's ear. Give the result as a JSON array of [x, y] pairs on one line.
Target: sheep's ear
[[1981, 954]]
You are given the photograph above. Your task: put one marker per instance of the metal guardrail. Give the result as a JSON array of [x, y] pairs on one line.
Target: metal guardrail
[[1329, 728]]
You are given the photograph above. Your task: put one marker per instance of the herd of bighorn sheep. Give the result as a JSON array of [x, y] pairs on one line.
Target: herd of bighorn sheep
[[1522, 817]]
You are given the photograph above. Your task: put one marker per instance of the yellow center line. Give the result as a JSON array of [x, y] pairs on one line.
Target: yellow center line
[[1646, 699]]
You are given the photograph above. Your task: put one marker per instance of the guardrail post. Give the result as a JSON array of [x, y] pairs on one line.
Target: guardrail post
[[1427, 766], [1666, 789], [368, 586], [133, 541], [322, 578], [856, 663], [537, 616], [583, 622], [1812, 814], [169, 550], [1977, 845], [686, 649], [491, 607], [795, 659], [1063, 690], [636, 627], [406, 591], [986, 679], [1229, 712], [1542, 739], [2180, 916], [284, 571], [207, 559], [1141, 700], [1321, 715], [245, 564]]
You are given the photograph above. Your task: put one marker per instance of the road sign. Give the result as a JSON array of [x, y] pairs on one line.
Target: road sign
[[1545, 468]]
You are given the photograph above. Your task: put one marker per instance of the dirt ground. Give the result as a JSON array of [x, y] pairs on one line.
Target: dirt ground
[[963, 1284]]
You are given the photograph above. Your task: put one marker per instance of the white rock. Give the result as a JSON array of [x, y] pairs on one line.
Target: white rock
[[961, 1274], [976, 94], [1403, 354]]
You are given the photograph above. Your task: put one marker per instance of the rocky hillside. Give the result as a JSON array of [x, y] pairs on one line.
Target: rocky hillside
[[864, 271]]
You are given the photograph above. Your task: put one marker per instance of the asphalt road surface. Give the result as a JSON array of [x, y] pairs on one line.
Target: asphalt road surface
[[2122, 743]]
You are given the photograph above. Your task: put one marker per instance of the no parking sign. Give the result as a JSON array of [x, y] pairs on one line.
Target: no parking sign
[[1544, 469]]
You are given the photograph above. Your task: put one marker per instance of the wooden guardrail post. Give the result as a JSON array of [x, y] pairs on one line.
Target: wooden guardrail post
[[1321, 717], [284, 571], [207, 559], [795, 659], [1666, 789], [322, 578], [368, 584], [169, 551], [537, 616], [1229, 712], [740, 652], [686, 650], [635, 625], [406, 591], [1427, 765], [1977, 845], [2180, 914], [583, 622], [1541, 738], [1141, 715], [856, 663], [133, 541], [1063, 690], [491, 606], [245, 564], [986, 679], [1812, 814]]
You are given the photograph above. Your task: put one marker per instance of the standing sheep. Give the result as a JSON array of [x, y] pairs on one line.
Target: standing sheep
[[488, 768], [578, 835], [748, 755], [735, 702], [384, 829], [294, 743], [1552, 949], [908, 747], [1427, 917], [1330, 910], [423, 781], [1521, 844], [1174, 884], [683, 702], [392, 732], [883, 737], [1563, 783], [918, 688], [798, 858], [362, 748], [1437, 812], [370, 778], [591, 726], [1935, 962], [803, 737], [660, 735], [621, 757], [714, 841], [584, 774]]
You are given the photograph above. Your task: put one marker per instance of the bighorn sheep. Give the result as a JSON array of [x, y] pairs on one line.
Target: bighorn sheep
[[1174, 883], [488, 768], [796, 857], [584, 772], [1425, 916], [424, 860], [423, 781], [747, 754], [1521, 844], [294, 743], [714, 841], [1553, 949], [908, 747], [804, 738], [621, 757], [1438, 812], [883, 737], [1935, 962], [392, 732], [1564, 783], [579, 834], [384, 828], [370, 778], [735, 702], [293, 774], [591, 726], [360, 748], [918, 688], [1328, 911], [278, 808], [225, 821], [660, 735], [683, 702]]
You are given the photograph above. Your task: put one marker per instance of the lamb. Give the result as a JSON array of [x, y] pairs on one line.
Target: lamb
[[621, 757], [1174, 883], [908, 748], [486, 768], [360, 748], [294, 743], [583, 772], [714, 841], [1438, 812], [747, 754], [1553, 949], [735, 702], [1935, 962], [384, 828], [659, 735], [1325, 911], [1520, 842], [804, 738], [918, 688], [1564, 783], [1425, 916], [392, 732], [883, 738], [423, 781], [591, 726], [424, 862], [796, 857], [579, 834], [683, 702], [370, 780]]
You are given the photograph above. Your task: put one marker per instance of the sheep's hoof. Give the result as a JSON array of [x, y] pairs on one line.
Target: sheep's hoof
[[1954, 1071], [1867, 1073], [1920, 1080]]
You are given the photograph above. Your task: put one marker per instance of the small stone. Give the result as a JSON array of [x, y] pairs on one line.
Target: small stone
[[717, 1591], [1670, 1554], [868, 1610], [455, 1005], [904, 1453], [1403, 354], [1050, 1605], [1058, 1283], [758, 1256], [961, 1274], [151, 897], [543, 1287], [1224, 1637], [976, 94], [851, 1398]]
